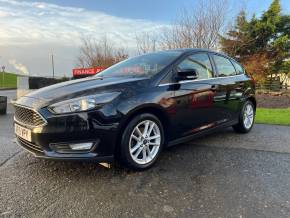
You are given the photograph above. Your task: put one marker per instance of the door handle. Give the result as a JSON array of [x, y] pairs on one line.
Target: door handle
[[214, 87], [241, 85]]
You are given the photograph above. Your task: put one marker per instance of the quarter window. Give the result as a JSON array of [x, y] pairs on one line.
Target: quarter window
[[224, 66], [200, 62], [239, 68]]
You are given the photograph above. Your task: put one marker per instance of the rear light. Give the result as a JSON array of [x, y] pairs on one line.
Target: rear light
[[254, 81], [249, 75]]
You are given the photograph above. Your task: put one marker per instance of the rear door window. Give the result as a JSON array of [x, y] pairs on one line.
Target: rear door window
[[224, 66]]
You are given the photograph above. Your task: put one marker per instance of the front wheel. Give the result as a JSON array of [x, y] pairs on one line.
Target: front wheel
[[246, 118], [142, 141]]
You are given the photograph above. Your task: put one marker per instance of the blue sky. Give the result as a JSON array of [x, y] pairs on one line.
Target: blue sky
[[161, 10], [30, 31]]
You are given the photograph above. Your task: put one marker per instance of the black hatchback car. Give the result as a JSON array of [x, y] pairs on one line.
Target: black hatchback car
[[134, 109]]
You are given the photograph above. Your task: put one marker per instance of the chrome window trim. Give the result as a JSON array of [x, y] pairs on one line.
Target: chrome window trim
[[27, 125], [188, 81]]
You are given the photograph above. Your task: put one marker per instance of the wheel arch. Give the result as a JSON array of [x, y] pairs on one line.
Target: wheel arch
[[154, 109], [253, 100]]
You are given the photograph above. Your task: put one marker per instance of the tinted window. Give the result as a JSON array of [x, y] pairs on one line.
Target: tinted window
[[200, 62], [142, 66], [239, 68], [224, 66]]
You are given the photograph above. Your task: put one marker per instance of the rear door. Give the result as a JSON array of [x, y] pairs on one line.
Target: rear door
[[227, 97]]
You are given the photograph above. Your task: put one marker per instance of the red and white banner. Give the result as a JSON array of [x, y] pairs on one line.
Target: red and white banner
[[87, 71]]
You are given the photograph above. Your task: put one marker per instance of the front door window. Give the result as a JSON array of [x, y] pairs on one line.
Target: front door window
[[200, 62]]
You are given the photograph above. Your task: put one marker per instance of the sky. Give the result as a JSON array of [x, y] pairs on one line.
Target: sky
[[30, 31]]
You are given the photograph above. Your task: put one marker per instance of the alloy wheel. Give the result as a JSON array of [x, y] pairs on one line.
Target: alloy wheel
[[145, 141], [248, 117]]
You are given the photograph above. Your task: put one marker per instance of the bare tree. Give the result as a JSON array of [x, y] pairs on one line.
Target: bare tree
[[146, 42], [199, 26], [99, 53]]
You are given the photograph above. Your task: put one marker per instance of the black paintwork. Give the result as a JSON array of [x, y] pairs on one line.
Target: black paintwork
[[187, 109]]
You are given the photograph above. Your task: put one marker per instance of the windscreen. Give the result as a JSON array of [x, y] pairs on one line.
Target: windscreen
[[141, 66]]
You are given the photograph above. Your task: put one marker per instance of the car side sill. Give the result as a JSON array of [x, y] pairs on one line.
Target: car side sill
[[201, 133]]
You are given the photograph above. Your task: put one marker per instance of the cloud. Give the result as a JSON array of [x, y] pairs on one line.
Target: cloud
[[38, 22], [31, 31], [4, 14], [19, 67]]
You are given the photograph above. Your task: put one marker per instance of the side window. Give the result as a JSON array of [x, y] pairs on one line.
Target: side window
[[200, 62], [239, 68], [224, 66]]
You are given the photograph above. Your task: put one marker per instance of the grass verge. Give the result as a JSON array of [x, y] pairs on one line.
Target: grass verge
[[10, 80], [273, 116]]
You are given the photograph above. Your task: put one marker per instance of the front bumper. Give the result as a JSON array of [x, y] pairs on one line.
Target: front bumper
[[81, 127], [39, 153]]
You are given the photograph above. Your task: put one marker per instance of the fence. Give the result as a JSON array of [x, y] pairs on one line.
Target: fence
[[274, 86], [27, 84]]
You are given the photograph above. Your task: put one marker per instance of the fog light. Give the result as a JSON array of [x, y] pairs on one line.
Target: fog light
[[81, 146]]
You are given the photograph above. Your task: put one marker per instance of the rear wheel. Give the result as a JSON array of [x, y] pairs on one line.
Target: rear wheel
[[246, 118], [142, 142]]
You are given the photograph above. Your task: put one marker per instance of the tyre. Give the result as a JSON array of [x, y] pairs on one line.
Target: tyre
[[246, 118], [142, 142]]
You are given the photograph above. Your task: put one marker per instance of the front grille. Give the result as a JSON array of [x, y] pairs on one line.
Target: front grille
[[28, 116], [29, 145]]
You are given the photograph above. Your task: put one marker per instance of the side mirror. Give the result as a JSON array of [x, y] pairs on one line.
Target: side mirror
[[187, 74]]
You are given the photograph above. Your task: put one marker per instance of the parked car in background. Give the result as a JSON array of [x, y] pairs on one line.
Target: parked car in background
[[134, 109]]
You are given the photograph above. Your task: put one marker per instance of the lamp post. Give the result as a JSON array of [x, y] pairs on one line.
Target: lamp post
[[52, 64]]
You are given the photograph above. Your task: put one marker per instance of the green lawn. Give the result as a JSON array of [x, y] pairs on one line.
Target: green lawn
[[10, 80], [273, 116]]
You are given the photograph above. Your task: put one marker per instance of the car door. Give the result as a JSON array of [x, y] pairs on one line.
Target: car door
[[195, 109], [227, 97]]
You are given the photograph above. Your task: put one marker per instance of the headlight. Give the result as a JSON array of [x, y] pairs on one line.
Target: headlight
[[83, 103]]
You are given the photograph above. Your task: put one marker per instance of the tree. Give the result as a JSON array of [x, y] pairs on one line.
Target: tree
[[256, 65], [196, 27], [238, 40], [146, 42], [261, 44], [99, 53]]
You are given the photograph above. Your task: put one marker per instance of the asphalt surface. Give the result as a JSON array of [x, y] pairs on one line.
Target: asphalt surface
[[11, 94], [7, 148], [221, 175]]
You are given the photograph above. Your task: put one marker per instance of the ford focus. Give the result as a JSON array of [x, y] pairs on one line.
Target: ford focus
[[131, 111]]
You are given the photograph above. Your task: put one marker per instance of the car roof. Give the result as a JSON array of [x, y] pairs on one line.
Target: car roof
[[189, 50]]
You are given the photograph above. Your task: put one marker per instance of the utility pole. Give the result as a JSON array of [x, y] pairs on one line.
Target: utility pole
[[52, 63]]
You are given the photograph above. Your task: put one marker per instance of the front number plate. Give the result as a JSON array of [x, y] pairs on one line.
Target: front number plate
[[23, 132]]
